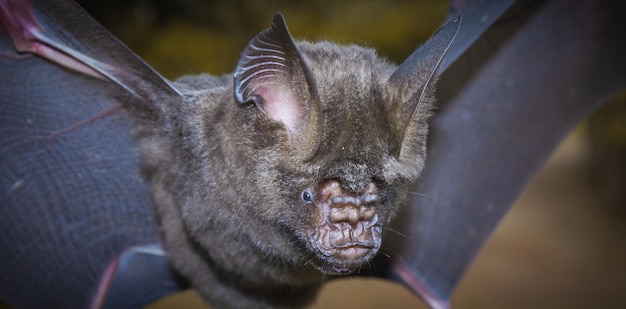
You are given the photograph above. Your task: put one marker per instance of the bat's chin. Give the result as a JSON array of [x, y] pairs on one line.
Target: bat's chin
[[343, 248], [333, 269], [346, 260]]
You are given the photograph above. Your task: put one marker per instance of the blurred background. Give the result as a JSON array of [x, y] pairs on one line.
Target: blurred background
[[562, 245], [207, 36]]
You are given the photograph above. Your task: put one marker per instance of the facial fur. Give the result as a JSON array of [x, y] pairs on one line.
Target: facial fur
[[258, 207]]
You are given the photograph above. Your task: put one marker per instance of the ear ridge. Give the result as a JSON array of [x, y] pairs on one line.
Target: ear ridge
[[272, 73], [412, 81]]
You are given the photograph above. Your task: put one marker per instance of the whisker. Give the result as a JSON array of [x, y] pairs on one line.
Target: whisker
[[352, 277], [309, 261], [392, 254], [417, 193], [397, 232], [370, 265], [385, 254]]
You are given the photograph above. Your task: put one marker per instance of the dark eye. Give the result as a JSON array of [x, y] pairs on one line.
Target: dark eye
[[307, 196]]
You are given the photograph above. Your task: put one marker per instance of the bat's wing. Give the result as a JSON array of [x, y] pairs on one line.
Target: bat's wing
[[478, 16], [76, 224], [506, 103]]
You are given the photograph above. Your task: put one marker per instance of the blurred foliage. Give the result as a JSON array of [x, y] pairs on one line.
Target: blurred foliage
[[207, 36], [608, 124], [607, 132]]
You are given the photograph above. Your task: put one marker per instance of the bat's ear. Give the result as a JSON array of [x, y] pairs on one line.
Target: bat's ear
[[272, 73], [411, 85]]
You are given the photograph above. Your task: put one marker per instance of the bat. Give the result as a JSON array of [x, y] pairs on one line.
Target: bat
[[324, 169], [350, 197], [45, 168]]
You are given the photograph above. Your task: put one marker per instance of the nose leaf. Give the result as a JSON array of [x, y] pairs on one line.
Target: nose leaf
[[347, 213], [348, 229]]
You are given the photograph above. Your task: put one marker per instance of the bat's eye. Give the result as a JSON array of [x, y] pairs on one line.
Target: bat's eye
[[307, 196]]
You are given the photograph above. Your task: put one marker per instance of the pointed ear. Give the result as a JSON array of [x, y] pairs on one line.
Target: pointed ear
[[272, 73], [413, 81]]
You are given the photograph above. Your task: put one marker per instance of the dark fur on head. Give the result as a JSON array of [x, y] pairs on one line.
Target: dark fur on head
[[258, 206]]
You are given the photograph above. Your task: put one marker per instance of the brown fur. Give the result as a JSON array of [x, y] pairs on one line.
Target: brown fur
[[227, 186]]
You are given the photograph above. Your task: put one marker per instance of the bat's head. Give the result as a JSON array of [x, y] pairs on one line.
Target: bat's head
[[351, 138]]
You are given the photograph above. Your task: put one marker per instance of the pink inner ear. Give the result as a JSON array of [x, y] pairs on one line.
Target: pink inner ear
[[279, 104]]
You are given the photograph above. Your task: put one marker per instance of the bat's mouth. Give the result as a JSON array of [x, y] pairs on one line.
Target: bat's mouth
[[341, 252], [349, 234]]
